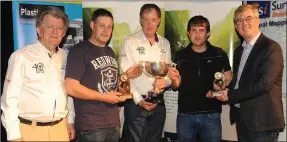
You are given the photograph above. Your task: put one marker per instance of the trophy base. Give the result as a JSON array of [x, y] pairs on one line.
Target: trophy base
[[154, 98], [216, 94], [126, 96]]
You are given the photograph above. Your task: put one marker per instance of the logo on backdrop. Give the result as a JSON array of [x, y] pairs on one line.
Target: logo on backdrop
[[270, 8], [263, 8], [30, 11]]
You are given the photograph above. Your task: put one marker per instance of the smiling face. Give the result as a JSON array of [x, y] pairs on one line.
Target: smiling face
[[101, 30], [51, 31], [150, 22], [247, 24], [198, 35]]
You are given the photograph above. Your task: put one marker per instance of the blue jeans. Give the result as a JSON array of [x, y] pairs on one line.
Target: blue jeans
[[208, 126], [100, 135]]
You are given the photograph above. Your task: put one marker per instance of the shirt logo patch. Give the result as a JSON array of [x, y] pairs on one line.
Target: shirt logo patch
[[141, 50], [39, 67], [109, 79]]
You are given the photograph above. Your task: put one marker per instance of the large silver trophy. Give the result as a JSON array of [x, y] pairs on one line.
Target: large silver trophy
[[219, 81], [155, 70]]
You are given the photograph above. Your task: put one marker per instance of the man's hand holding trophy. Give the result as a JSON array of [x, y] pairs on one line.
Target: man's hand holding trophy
[[158, 71]]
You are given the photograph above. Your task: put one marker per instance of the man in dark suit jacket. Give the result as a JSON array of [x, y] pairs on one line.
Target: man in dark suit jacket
[[255, 93]]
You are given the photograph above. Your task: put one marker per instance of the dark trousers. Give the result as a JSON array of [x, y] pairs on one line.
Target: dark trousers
[[141, 125], [245, 135], [99, 135]]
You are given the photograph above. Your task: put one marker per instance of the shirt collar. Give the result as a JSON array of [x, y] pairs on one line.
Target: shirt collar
[[156, 36], [42, 48], [252, 42]]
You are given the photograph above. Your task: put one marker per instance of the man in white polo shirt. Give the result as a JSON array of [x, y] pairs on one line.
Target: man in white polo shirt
[[34, 102], [144, 120]]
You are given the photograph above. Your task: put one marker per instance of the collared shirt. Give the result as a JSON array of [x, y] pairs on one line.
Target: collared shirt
[[137, 48], [34, 88], [247, 47]]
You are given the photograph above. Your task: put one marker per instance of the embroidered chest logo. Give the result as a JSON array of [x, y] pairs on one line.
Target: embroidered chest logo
[[39, 67], [141, 50]]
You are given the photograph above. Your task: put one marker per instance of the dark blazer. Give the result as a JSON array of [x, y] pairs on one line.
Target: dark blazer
[[259, 90]]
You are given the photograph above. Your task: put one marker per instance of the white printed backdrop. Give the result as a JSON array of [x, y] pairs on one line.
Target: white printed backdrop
[[222, 35], [173, 26]]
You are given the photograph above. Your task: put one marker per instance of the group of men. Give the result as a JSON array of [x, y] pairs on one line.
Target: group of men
[[36, 106]]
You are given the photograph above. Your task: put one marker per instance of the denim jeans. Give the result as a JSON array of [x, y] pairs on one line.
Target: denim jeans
[[208, 126], [100, 135]]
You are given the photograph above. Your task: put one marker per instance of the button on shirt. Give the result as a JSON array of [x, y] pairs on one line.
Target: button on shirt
[[247, 47], [34, 88], [137, 48]]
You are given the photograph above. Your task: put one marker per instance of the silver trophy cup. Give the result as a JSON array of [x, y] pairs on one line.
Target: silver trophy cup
[[155, 70]]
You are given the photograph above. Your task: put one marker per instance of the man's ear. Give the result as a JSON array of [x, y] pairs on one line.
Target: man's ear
[[38, 31], [64, 34], [188, 35], [141, 22], [92, 24], [159, 23], [208, 34]]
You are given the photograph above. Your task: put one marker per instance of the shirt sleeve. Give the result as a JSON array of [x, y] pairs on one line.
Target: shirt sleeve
[[226, 64], [71, 113], [76, 65], [127, 61], [168, 54], [11, 95]]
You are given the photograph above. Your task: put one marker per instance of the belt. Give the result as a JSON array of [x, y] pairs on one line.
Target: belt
[[159, 98], [200, 112], [29, 122]]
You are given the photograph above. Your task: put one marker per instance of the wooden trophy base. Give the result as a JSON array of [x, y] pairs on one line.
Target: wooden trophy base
[[126, 96]]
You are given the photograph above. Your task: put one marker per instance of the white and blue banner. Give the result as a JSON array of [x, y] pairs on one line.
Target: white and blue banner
[[24, 22]]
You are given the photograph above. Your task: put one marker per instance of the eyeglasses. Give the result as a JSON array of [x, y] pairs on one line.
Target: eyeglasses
[[49, 27], [247, 19]]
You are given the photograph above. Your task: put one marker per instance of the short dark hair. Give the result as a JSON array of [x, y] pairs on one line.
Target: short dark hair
[[198, 21], [55, 12], [101, 12], [147, 7]]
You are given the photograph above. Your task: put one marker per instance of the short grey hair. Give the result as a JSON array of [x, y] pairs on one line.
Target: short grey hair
[[245, 7], [55, 12]]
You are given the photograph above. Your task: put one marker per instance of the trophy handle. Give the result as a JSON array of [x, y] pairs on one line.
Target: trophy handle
[[143, 68], [173, 65]]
